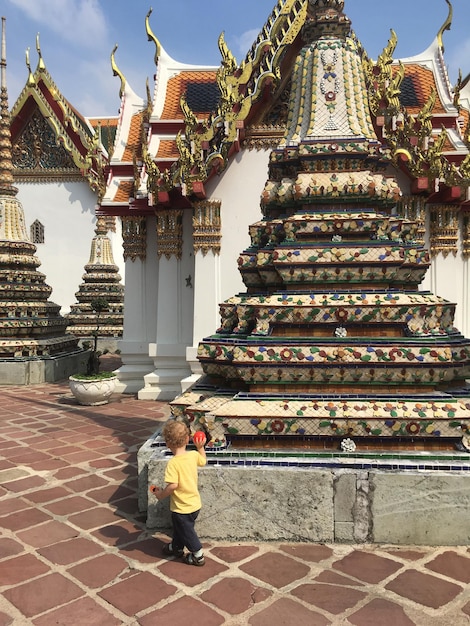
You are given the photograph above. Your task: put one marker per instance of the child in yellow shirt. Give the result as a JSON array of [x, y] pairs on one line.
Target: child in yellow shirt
[[182, 487]]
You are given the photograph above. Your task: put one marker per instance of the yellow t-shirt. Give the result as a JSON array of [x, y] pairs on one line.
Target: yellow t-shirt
[[182, 469]]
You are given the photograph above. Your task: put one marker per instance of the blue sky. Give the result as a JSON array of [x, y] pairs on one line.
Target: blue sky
[[77, 37]]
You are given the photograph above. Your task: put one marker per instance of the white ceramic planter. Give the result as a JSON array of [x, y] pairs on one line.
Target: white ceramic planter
[[92, 392]]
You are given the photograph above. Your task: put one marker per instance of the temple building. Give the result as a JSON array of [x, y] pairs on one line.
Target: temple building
[[34, 344], [305, 197], [359, 244], [59, 160]]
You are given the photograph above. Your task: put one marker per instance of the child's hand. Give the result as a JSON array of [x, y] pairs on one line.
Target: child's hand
[[199, 439], [154, 489]]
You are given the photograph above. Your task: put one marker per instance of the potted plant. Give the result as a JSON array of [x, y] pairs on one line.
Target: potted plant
[[94, 387]]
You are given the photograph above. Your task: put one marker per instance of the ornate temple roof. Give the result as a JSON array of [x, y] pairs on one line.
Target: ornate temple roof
[[198, 117], [70, 147], [151, 126]]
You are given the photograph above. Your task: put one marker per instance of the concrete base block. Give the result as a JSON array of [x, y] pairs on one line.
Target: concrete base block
[[256, 504], [421, 509], [311, 504], [46, 370]]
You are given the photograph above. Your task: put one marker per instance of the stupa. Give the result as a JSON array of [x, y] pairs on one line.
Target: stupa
[[34, 345], [100, 281], [332, 343]]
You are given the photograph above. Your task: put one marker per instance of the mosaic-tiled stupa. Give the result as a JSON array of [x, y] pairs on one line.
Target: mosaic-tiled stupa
[[31, 327], [332, 342], [100, 281]]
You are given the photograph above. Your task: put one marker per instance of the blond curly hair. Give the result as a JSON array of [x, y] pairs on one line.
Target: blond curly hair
[[175, 434]]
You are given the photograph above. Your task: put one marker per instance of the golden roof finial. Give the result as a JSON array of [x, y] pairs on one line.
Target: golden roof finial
[[151, 37], [228, 59], [446, 26], [41, 65], [117, 71], [31, 79]]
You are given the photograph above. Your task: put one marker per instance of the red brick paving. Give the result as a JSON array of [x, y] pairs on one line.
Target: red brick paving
[[286, 611], [368, 567], [335, 600], [424, 589], [183, 612], [380, 612], [73, 543], [452, 565], [275, 569]]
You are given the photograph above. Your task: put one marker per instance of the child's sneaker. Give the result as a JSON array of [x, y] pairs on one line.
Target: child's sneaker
[[191, 559], [167, 550]]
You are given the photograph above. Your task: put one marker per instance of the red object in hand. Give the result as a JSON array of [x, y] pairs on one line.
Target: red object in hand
[[199, 437]]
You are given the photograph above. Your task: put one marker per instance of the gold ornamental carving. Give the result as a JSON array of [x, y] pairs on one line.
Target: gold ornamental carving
[[205, 144], [134, 238], [170, 233], [466, 235], [207, 227], [444, 229], [37, 153], [413, 208]]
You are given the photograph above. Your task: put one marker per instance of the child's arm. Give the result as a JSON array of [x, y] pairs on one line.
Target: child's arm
[[160, 493], [200, 448]]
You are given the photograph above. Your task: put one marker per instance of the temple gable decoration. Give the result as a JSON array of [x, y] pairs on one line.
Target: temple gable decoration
[[50, 139]]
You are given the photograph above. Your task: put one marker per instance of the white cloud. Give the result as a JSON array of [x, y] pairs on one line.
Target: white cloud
[[79, 22], [245, 41]]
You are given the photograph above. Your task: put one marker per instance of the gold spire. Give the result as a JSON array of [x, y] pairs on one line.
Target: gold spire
[[31, 79], [151, 37], [101, 252], [41, 64], [446, 26], [117, 71], [6, 166]]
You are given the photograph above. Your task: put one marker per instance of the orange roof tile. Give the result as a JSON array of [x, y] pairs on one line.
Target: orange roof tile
[[133, 139], [423, 82], [448, 146], [177, 86], [466, 117], [167, 150], [124, 191]]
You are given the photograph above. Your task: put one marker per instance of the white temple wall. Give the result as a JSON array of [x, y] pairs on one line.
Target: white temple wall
[[239, 190], [67, 212], [449, 279], [217, 277], [175, 292]]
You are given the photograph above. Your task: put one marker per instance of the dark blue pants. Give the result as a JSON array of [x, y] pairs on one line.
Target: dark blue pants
[[184, 534]]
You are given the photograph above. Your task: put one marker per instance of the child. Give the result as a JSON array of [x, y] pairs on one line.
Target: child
[[181, 486]]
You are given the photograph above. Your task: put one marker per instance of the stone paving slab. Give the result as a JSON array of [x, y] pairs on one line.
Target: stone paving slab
[[75, 551]]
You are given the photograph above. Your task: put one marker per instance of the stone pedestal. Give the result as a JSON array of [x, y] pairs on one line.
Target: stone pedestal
[[344, 501], [45, 370]]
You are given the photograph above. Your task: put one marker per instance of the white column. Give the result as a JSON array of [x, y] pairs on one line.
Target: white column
[[174, 314], [140, 304]]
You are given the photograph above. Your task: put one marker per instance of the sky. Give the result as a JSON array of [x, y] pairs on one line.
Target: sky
[[77, 37]]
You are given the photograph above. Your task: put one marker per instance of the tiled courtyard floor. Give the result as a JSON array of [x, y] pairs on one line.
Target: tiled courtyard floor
[[75, 551]]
